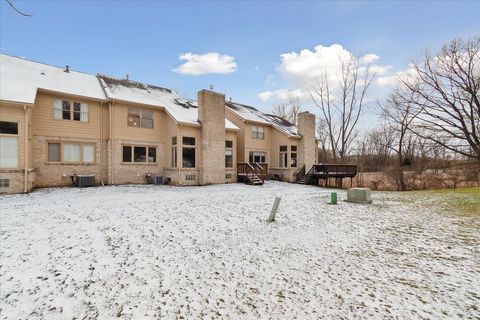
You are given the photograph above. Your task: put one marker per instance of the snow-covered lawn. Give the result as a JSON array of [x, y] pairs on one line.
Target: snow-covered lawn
[[207, 252]]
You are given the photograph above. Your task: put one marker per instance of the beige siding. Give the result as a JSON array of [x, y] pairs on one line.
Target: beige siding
[[45, 125], [240, 149]]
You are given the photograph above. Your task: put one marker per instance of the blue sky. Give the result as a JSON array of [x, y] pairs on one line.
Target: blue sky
[[146, 38]]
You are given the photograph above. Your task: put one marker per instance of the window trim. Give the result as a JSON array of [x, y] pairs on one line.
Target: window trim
[[72, 108], [255, 130], [62, 160], [146, 146], [283, 164], [257, 152], [140, 122], [189, 146]]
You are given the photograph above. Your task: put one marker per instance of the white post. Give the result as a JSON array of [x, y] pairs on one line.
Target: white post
[[276, 203]]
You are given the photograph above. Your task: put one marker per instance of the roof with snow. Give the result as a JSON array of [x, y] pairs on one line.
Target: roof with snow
[[181, 109], [20, 79], [251, 114]]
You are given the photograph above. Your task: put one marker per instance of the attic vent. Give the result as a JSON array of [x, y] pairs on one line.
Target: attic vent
[[67, 68]]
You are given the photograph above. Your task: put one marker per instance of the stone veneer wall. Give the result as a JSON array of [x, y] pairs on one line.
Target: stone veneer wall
[[211, 114], [52, 174], [124, 173], [16, 180], [307, 147]]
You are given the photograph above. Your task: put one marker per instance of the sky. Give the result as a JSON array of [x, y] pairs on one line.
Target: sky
[[256, 52]]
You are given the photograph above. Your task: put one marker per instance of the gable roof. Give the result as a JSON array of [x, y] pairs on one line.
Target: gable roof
[[20, 79], [249, 113], [181, 109]]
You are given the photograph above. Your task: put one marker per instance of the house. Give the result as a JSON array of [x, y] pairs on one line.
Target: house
[[56, 122], [266, 138]]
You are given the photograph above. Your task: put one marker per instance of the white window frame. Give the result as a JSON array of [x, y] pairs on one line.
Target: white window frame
[[58, 110]]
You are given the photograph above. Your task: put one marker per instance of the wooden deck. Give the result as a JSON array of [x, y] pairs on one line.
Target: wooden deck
[[326, 171]]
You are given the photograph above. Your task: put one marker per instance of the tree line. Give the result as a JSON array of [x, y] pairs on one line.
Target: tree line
[[431, 115]]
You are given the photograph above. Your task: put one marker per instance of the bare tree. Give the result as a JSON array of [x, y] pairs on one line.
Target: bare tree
[[341, 103], [399, 111], [445, 89], [288, 110], [18, 11]]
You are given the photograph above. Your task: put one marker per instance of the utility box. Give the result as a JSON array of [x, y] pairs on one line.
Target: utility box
[[359, 195], [83, 180], [158, 180]]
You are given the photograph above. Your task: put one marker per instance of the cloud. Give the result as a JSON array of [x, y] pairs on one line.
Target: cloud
[[212, 62], [282, 94], [298, 69]]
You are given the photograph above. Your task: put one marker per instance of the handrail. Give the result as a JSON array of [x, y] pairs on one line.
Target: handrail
[[247, 169], [301, 173]]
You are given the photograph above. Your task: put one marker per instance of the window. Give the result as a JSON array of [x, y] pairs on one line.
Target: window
[[62, 109], [8, 127], [293, 156], [71, 152], [53, 152], [66, 110], [255, 156], [139, 154], [189, 141], [228, 154], [147, 119], [283, 157], [133, 119], [88, 153], [174, 152], [188, 152], [8, 152], [4, 183], [127, 154], [190, 177], [139, 118], [258, 132], [228, 158], [152, 154], [228, 176]]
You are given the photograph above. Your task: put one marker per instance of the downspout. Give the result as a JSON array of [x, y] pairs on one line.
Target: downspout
[[110, 135], [25, 178], [101, 143]]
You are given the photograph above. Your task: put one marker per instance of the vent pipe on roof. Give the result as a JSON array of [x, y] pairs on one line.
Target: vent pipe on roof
[[211, 87], [67, 68], [126, 76], [230, 99]]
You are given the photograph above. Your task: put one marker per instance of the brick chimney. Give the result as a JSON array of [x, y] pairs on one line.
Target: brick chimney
[[211, 115], [306, 128]]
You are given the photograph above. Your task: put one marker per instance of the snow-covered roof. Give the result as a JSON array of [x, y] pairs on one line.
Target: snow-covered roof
[[20, 79], [181, 109], [249, 113]]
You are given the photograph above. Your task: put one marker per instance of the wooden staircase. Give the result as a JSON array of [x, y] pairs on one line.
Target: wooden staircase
[[305, 177], [252, 173]]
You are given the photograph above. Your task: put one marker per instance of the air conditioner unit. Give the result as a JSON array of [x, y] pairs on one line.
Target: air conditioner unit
[[158, 180], [82, 181]]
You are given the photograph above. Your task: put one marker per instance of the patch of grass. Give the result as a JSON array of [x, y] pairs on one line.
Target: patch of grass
[[463, 201]]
